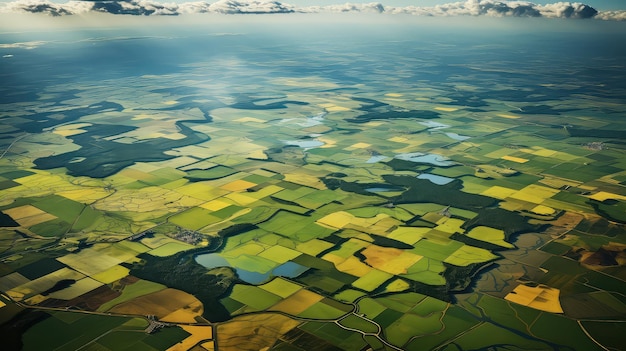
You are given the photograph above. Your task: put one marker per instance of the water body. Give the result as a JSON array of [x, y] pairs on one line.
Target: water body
[[433, 159], [288, 269], [434, 125], [382, 190], [375, 159], [457, 137], [436, 179]]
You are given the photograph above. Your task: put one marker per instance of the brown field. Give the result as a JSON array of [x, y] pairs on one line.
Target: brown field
[[297, 302], [160, 304], [253, 332]]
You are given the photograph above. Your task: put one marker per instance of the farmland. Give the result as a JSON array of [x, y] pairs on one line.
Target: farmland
[[306, 206]]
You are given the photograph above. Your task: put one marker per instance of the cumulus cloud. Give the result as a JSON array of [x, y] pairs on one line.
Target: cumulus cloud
[[493, 8]]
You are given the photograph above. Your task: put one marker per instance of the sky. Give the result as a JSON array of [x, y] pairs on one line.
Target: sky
[[612, 10], [597, 4]]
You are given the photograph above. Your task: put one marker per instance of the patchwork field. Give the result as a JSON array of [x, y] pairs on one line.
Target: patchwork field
[[384, 190]]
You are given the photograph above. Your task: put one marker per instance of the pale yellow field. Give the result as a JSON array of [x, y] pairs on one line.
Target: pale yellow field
[[541, 297]]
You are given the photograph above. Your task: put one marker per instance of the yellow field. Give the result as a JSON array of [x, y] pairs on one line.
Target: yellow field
[[390, 260], [603, 195], [514, 159], [466, 255], [353, 266], [198, 334], [215, 205], [241, 199], [543, 210], [446, 109], [159, 304], [297, 303], [541, 297], [397, 285], [111, 275], [409, 235], [450, 225], [490, 235], [186, 314], [534, 193], [253, 332], [507, 116], [201, 191]]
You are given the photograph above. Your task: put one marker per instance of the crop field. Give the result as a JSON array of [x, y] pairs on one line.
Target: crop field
[[386, 194]]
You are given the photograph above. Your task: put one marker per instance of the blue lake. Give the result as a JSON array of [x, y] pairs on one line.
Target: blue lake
[[288, 270], [437, 179], [433, 159]]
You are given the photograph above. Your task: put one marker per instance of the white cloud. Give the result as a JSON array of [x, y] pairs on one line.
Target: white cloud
[[491, 8]]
